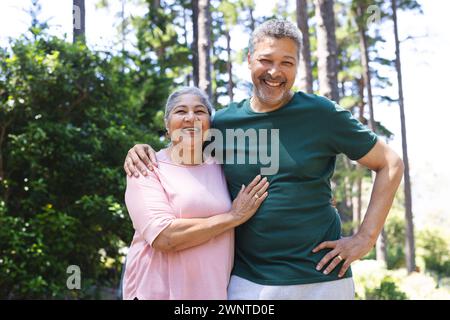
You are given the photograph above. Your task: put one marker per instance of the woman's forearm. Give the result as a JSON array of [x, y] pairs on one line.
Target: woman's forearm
[[385, 186], [186, 233]]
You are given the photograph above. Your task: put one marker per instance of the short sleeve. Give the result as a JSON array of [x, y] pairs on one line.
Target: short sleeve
[[148, 206], [347, 135]]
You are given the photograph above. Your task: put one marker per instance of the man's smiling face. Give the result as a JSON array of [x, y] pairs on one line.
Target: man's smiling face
[[273, 66]]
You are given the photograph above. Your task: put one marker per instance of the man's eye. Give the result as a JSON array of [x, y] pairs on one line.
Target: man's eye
[[287, 63]]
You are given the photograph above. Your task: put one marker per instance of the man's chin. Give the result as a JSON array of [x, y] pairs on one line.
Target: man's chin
[[270, 99]]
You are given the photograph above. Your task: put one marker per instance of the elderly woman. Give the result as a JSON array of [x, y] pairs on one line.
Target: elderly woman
[[183, 246]]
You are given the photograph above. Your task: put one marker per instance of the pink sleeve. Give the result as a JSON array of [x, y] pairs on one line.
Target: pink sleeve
[[148, 206]]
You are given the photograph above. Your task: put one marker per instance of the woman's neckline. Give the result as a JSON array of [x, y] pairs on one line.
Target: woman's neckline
[[168, 159]]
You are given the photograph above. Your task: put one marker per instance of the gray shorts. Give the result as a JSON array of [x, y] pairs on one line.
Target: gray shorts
[[242, 289]]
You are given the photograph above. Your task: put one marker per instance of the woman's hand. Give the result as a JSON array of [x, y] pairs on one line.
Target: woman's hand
[[249, 199], [140, 158], [347, 249]]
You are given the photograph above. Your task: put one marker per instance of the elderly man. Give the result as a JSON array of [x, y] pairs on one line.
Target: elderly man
[[292, 248]]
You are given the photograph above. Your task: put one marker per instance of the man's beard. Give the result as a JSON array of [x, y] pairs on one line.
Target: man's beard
[[265, 92]]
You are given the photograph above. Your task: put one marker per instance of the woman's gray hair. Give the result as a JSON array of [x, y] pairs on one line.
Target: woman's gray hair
[[174, 97], [275, 28]]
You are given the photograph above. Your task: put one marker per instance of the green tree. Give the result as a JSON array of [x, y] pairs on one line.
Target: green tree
[[67, 117]]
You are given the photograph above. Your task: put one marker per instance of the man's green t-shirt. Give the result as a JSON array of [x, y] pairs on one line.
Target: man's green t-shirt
[[275, 246]]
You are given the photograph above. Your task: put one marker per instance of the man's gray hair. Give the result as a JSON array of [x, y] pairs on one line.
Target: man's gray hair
[[173, 99], [275, 28]]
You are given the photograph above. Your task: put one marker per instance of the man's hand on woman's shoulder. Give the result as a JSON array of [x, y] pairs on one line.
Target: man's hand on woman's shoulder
[[140, 159]]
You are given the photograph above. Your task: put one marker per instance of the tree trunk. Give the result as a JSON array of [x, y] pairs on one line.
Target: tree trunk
[[366, 68], [204, 46], [348, 186], [195, 42], [306, 79], [357, 187], [410, 245], [185, 33], [357, 201], [252, 18], [2, 137], [160, 51], [230, 85], [214, 73], [327, 49], [381, 245], [79, 26]]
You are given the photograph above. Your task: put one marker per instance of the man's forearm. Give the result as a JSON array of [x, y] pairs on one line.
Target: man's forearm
[[385, 186]]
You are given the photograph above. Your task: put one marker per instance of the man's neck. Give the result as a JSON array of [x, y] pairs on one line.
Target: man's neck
[[259, 106]]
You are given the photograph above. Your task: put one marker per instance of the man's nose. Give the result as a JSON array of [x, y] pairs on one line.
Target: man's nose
[[274, 71]]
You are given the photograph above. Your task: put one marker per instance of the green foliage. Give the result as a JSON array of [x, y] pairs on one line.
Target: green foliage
[[374, 282], [387, 290], [68, 116], [395, 235], [434, 249]]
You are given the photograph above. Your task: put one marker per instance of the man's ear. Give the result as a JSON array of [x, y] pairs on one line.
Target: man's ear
[[249, 58]]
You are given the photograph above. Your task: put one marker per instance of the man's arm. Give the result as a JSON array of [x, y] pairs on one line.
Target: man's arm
[[140, 159], [389, 171]]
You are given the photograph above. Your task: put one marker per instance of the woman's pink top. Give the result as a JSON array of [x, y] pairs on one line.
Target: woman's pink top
[[172, 192]]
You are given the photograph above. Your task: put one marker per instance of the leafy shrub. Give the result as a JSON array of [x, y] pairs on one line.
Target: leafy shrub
[[387, 290], [434, 249], [68, 116], [395, 235], [374, 282]]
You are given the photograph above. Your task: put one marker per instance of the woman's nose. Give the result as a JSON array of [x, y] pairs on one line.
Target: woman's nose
[[189, 116]]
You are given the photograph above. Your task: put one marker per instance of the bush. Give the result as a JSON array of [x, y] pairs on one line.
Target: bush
[[374, 282], [68, 116], [434, 249], [387, 290], [395, 235]]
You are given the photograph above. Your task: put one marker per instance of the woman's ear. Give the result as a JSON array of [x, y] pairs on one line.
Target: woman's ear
[[166, 124]]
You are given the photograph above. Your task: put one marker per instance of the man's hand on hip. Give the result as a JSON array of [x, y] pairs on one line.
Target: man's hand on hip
[[347, 249]]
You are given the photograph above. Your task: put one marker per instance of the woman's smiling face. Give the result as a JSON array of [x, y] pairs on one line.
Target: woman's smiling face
[[188, 119]]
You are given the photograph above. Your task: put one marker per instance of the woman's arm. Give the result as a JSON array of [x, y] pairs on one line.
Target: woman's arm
[[152, 215], [186, 233]]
